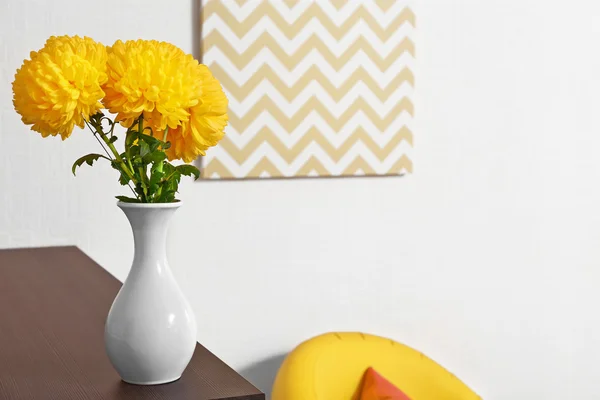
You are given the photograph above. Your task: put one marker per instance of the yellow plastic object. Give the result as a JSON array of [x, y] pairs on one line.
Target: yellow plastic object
[[330, 367]]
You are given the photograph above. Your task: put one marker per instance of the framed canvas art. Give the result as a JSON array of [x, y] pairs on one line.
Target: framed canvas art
[[315, 87]]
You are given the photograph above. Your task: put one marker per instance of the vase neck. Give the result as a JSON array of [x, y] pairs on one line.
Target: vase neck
[[149, 225]]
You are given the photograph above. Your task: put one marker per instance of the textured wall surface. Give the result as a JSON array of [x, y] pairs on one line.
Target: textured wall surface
[[485, 258]]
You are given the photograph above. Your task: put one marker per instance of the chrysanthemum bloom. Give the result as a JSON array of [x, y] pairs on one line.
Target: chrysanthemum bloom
[[206, 124], [61, 85], [170, 88]]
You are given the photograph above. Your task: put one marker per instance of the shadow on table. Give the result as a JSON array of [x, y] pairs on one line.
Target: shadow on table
[[262, 373]]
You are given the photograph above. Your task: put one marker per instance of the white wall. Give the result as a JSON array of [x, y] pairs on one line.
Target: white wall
[[486, 258]]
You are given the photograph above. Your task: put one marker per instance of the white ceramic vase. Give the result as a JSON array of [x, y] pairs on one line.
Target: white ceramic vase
[[150, 333]]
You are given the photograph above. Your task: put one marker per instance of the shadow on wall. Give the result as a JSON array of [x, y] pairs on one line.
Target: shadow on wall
[[197, 29], [262, 374], [197, 45]]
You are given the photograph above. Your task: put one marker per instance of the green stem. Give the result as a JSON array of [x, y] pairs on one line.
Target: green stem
[[96, 136], [161, 164], [165, 134], [97, 131], [118, 158], [130, 164], [143, 182], [98, 126], [143, 176]]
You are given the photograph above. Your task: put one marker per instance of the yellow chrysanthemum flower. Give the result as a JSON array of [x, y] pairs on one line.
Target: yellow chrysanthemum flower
[[60, 85], [206, 125], [170, 88], [150, 77]]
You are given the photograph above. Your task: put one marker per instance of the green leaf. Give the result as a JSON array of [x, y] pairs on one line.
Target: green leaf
[[126, 199], [130, 138], [123, 178], [155, 180], [156, 177], [144, 148], [175, 180], [188, 170], [151, 141], [153, 189], [155, 157], [88, 159], [113, 139], [168, 168], [133, 152], [168, 196]]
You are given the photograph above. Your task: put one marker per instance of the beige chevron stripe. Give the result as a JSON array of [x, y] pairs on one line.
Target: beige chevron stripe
[[404, 163], [265, 40], [314, 11], [313, 164], [385, 5], [289, 124], [264, 165], [338, 4], [215, 167], [313, 74], [314, 135], [290, 3], [359, 163]]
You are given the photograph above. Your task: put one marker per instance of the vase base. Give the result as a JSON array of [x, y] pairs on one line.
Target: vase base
[[149, 383]]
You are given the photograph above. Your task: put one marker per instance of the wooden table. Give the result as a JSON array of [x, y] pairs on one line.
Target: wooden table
[[53, 304]]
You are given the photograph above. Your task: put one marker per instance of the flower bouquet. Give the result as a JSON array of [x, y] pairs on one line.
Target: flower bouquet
[[171, 108]]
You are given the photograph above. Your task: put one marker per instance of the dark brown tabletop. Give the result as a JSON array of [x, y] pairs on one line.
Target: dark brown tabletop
[[53, 304]]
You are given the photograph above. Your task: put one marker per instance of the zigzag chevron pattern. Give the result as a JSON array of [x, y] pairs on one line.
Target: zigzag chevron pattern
[[315, 87]]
